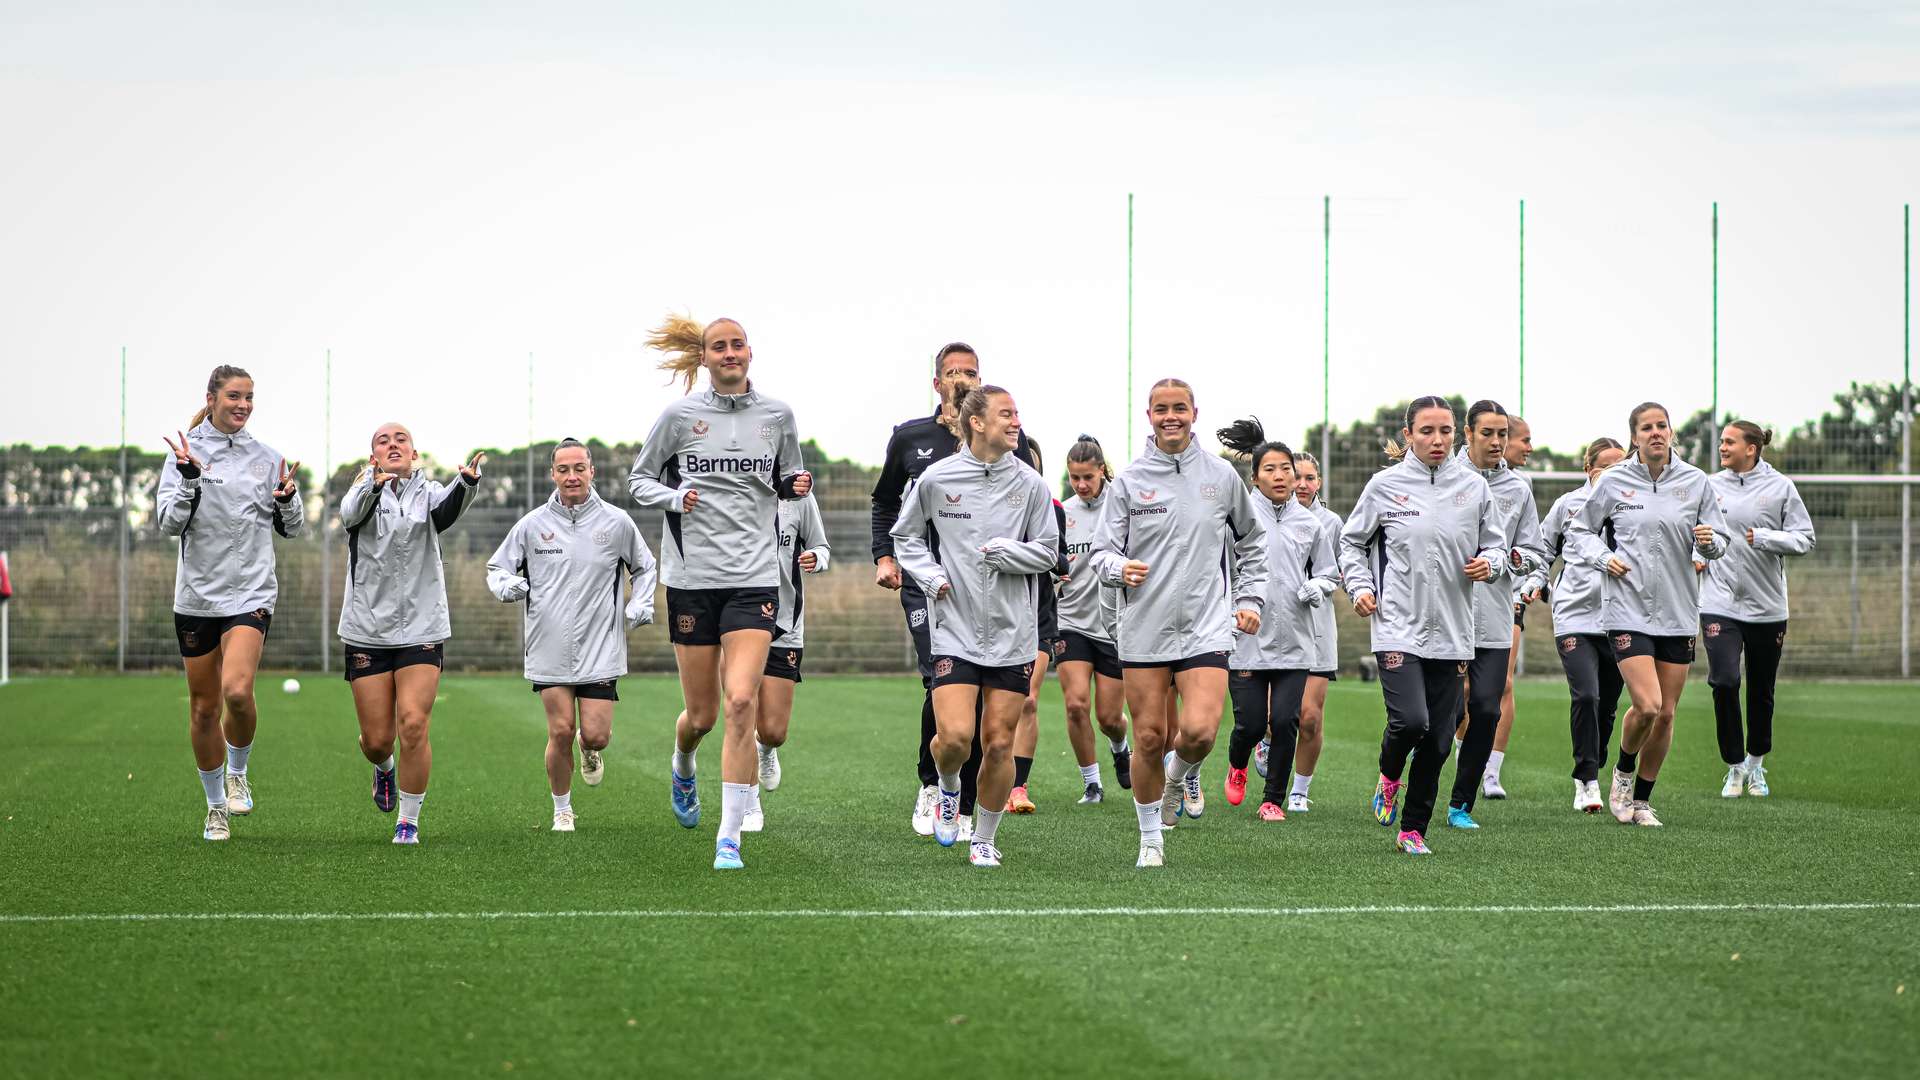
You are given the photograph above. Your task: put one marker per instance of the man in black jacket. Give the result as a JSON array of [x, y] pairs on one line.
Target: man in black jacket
[[915, 445]]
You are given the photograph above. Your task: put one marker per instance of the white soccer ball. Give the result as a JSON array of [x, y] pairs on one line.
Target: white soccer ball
[[291, 686]]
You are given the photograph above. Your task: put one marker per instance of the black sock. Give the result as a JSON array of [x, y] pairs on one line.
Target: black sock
[[1642, 789], [1628, 762], [1022, 767]]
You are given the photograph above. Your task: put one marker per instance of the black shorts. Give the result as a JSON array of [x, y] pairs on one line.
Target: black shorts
[[701, 616], [784, 664], [1331, 675], [1191, 663], [361, 662], [1081, 649], [1054, 648], [1664, 650], [201, 634], [604, 690], [956, 671]]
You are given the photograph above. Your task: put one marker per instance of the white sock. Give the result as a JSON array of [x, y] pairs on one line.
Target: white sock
[[237, 758], [734, 800], [1119, 745], [410, 806], [1456, 746], [682, 763], [1493, 763], [756, 797], [563, 802], [1181, 768], [1090, 774], [387, 765], [986, 824], [214, 780], [950, 783], [1302, 783], [1149, 813], [1752, 762], [763, 748]]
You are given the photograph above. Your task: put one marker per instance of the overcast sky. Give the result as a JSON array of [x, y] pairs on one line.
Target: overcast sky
[[434, 191]]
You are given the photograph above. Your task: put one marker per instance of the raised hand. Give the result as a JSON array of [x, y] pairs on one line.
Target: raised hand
[[470, 472], [285, 489], [380, 476], [182, 454]]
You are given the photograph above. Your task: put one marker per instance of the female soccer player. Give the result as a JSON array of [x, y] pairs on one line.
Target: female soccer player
[[1423, 535], [1307, 488], [1519, 449], [1743, 606], [393, 618], [991, 519], [1644, 519], [1181, 536], [1026, 734], [1271, 667], [803, 550], [224, 494], [717, 462], [1518, 520], [1580, 635], [557, 563], [1090, 677]]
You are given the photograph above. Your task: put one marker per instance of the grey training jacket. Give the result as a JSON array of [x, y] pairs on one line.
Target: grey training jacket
[[225, 518], [1087, 606], [1750, 582], [741, 452], [396, 592], [568, 567], [1576, 596], [960, 506], [1649, 526], [1190, 518], [1411, 534], [1298, 549], [1326, 624], [1517, 518], [801, 530]]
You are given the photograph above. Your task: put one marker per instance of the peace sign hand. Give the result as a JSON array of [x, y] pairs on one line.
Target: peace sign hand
[[183, 455], [380, 476], [470, 472], [285, 489]]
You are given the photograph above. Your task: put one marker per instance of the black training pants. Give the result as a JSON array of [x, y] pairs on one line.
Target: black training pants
[[1266, 703], [1594, 683], [1486, 682], [914, 602], [1423, 700], [1763, 643]]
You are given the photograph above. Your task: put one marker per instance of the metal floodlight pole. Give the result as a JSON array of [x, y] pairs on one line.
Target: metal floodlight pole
[[1713, 417], [326, 535], [529, 431], [1523, 307], [6, 643], [1326, 366], [1907, 433], [1129, 323], [125, 509]]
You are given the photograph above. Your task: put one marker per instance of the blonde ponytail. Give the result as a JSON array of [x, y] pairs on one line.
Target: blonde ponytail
[[683, 342]]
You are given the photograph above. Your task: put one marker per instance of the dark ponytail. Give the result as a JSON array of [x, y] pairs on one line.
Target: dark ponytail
[[1248, 438]]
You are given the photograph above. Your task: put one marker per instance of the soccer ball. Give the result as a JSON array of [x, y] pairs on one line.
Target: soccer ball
[[291, 686]]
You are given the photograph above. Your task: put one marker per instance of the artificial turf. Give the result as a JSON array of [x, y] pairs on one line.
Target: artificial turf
[[102, 816]]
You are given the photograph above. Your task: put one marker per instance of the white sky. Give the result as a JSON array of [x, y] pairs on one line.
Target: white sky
[[435, 190]]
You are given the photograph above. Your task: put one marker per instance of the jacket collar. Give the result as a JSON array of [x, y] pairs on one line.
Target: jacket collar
[[1444, 469], [1008, 461], [205, 430], [574, 514], [1180, 460], [731, 402], [1760, 471], [1467, 461]]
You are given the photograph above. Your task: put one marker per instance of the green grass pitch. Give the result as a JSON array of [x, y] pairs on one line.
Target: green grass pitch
[[665, 968]]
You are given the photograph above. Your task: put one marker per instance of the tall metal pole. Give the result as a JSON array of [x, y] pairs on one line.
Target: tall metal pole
[[1326, 353], [1713, 418], [326, 534], [125, 509], [1523, 307], [1129, 324], [529, 431], [1906, 438]]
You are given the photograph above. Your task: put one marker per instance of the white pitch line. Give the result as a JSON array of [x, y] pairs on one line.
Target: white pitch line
[[954, 913]]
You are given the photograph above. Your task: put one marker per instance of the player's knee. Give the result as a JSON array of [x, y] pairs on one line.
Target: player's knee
[[1724, 680], [413, 730], [740, 706], [1150, 743], [1079, 708], [772, 736], [237, 695], [561, 734], [996, 746], [1309, 726], [700, 718], [204, 712]]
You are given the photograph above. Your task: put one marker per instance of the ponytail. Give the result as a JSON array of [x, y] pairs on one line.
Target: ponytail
[[220, 377], [1248, 438], [684, 343], [1755, 435]]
